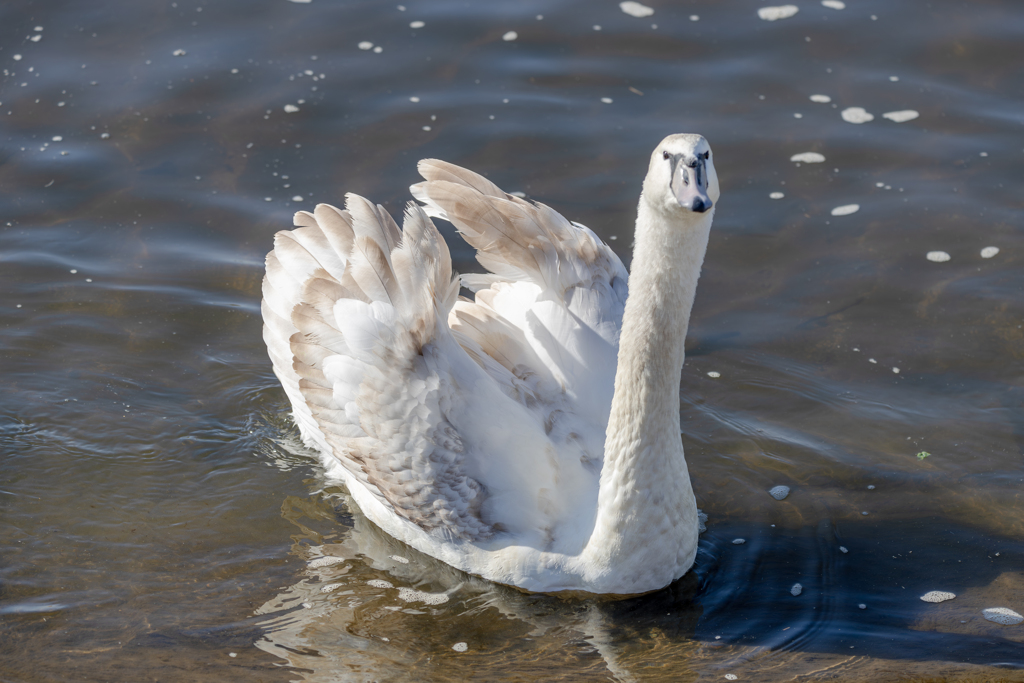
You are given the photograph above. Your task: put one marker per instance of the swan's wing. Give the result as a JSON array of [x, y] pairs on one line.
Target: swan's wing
[[551, 308], [439, 433]]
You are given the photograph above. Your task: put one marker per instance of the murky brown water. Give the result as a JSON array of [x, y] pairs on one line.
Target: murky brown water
[[156, 515]]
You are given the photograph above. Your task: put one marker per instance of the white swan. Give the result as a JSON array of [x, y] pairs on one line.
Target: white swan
[[495, 434]]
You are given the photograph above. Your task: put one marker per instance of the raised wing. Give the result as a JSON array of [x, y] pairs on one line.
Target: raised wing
[[550, 309]]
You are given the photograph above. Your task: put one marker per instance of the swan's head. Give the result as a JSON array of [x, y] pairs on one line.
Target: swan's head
[[681, 177]]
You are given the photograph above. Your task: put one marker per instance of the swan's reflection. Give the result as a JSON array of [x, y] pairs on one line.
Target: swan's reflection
[[370, 608]]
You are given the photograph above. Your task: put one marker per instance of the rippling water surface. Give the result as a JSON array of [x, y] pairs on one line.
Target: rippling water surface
[[158, 519]]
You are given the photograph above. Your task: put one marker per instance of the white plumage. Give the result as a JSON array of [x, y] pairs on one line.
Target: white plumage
[[475, 431]]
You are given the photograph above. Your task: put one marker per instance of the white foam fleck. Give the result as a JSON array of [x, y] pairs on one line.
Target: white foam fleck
[[607, 100], [460, 647], [297, 198], [377, 50], [797, 589], [290, 108], [57, 138], [834, 4], [365, 45], [739, 541], [1002, 615], [895, 371], [427, 128], [894, 78], [399, 558], [414, 99], [730, 677], [714, 375], [776, 195], [774, 13], [380, 583], [843, 549], [411, 595], [798, 115], [694, 17], [901, 116], [302, 2], [330, 588], [510, 36], [937, 256], [989, 252], [779, 492], [808, 157], [16, 58], [856, 115], [937, 596], [179, 53], [862, 606], [845, 209], [635, 9], [821, 99], [982, 154], [325, 561], [416, 24], [36, 38]]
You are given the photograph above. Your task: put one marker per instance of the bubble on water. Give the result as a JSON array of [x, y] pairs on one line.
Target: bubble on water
[[179, 53], [460, 647], [808, 157], [739, 541], [894, 78], [797, 589], [856, 115], [843, 549], [871, 486], [989, 252], [779, 492], [982, 154], [290, 108], [377, 50], [411, 595], [607, 100], [776, 195], [365, 45], [510, 36], [325, 561], [380, 583], [821, 99], [833, 4], [895, 370], [16, 58], [1002, 615], [694, 17], [798, 115], [635, 9], [937, 596], [416, 24], [399, 558], [57, 138], [845, 209], [297, 198], [414, 99], [330, 588], [774, 13], [862, 606], [714, 375], [36, 38], [937, 256], [901, 116], [730, 677]]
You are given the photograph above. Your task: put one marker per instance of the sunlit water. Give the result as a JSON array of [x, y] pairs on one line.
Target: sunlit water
[[157, 518]]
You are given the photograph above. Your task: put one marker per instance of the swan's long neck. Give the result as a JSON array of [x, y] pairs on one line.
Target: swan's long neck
[[646, 508]]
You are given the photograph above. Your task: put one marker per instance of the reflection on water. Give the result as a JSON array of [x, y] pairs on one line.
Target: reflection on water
[[156, 520]]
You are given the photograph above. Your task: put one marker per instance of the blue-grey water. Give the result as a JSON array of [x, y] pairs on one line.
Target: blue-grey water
[[157, 517]]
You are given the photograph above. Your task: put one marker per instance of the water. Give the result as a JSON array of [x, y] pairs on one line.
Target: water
[[156, 514]]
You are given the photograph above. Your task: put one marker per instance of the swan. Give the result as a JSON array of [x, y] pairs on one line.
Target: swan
[[529, 436]]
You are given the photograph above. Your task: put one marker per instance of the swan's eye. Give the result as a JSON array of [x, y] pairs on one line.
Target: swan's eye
[[665, 155], [707, 154]]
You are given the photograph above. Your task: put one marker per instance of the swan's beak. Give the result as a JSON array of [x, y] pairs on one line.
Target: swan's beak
[[690, 184]]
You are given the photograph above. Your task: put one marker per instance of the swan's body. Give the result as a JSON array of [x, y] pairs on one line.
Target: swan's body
[[496, 434]]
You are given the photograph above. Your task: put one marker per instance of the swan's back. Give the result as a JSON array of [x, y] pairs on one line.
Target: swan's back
[[459, 425]]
